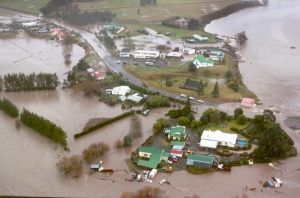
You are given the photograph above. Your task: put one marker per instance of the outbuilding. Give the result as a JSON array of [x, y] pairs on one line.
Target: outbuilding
[[188, 50], [248, 102], [152, 173], [177, 145], [177, 153], [200, 160]]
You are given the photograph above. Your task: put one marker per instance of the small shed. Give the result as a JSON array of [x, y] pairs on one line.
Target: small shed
[[248, 102], [177, 153], [90, 70], [96, 167], [165, 156], [200, 160], [188, 50], [177, 145]]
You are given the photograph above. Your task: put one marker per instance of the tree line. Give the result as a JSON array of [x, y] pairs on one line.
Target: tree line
[[44, 127], [53, 5], [86, 17], [22, 82], [147, 2], [9, 108]]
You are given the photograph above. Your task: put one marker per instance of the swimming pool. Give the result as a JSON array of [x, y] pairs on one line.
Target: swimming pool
[[242, 142]]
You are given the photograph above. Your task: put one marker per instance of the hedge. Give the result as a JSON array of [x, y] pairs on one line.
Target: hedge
[[104, 123]]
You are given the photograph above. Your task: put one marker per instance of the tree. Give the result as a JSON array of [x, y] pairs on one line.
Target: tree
[[183, 121], [269, 117], [94, 150], [138, 11], [135, 127], [127, 141], [70, 166], [272, 142], [191, 116], [241, 37], [157, 127], [192, 67], [118, 144], [228, 75], [215, 117], [146, 192], [237, 112], [216, 91], [241, 119], [193, 24], [82, 65], [204, 119], [265, 2], [200, 88], [195, 124], [234, 84]]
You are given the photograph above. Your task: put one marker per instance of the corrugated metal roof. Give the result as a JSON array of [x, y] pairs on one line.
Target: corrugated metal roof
[[176, 151], [219, 136], [208, 143], [201, 158], [177, 143], [150, 149], [248, 100]]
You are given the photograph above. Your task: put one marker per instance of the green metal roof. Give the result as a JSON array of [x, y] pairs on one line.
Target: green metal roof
[[148, 164], [219, 53], [177, 143], [150, 149], [201, 59], [201, 158], [166, 154], [172, 131]]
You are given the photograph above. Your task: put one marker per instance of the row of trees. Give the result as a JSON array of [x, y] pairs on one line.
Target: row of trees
[[9, 108], [53, 5], [19, 82], [44, 127], [86, 17], [157, 101], [147, 2]]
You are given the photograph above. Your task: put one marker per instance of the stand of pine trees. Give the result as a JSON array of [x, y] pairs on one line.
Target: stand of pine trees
[[44, 127], [9, 108], [22, 82]]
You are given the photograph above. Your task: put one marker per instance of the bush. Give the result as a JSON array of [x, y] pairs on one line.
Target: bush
[[138, 111], [234, 129], [234, 163], [70, 166], [197, 170], [95, 150], [127, 141], [9, 108]]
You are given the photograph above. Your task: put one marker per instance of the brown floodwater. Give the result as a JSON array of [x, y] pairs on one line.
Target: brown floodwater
[[27, 159]]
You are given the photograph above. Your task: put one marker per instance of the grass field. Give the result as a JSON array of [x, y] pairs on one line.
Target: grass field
[[230, 124], [30, 6]]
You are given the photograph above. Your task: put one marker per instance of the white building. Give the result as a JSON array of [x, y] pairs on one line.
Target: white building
[[200, 38], [248, 102], [122, 90], [125, 54], [174, 55], [145, 54], [29, 24], [188, 50], [211, 139]]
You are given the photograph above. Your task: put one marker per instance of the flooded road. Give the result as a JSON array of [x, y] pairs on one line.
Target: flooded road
[[27, 159]]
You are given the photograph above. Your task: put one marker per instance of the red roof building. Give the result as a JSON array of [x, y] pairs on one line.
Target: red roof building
[[248, 102], [100, 75], [177, 153]]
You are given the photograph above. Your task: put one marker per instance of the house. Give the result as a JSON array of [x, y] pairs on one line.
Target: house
[[99, 75], [200, 160], [191, 84], [200, 38], [200, 61], [145, 54], [91, 71], [248, 102], [124, 54], [175, 55], [29, 24], [177, 145], [175, 133], [176, 153], [182, 23], [135, 98], [188, 50], [216, 55], [210, 139], [122, 90], [154, 156]]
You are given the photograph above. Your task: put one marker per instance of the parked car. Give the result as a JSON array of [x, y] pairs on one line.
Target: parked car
[[191, 98], [201, 101], [124, 63], [135, 63], [175, 160], [118, 61], [168, 161]]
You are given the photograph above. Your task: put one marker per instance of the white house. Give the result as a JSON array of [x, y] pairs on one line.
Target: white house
[[200, 38], [188, 50], [200, 61], [145, 54], [210, 139], [248, 102], [125, 54], [122, 90]]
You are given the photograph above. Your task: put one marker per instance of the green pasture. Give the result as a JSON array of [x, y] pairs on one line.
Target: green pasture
[[30, 6]]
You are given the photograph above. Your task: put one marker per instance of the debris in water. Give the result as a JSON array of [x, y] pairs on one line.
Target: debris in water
[[57, 156]]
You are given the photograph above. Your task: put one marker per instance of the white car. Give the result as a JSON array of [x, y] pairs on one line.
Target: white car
[[168, 161], [118, 61], [201, 101], [191, 98]]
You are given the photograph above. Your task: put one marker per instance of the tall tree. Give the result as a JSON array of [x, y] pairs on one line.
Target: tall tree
[[193, 24], [216, 92], [241, 37]]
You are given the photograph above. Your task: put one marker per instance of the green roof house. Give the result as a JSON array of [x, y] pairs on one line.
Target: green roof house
[[200, 160], [199, 61], [153, 154], [216, 55], [175, 133]]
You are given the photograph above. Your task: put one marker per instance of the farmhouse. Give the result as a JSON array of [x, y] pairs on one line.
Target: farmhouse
[[200, 160], [248, 102], [99, 75], [200, 61], [154, 156], [188, 50], [200, 38], [111, 26], [210, 139], [191, 84], [175, 133], [122, 90], [145, 54]]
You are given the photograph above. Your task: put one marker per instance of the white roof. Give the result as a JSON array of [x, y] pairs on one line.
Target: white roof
[[175, 54], [200, 37], [90, 70], [208, 143], [219, 136], [135, 98]]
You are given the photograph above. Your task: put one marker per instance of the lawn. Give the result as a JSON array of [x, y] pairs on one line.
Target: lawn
[[30, 6], [230, 124]]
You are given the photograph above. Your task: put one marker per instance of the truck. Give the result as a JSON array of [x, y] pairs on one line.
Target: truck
[[225, 168], [96, 167], [145, 84], [168, 169], [188, 152], [274, 182]]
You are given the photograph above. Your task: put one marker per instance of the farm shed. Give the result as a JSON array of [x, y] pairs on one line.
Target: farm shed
[[248, 102], [177, 153], [177, 145], [200, 160]]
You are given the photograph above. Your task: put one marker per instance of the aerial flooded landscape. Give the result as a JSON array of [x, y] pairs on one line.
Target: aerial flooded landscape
[[149, 98]]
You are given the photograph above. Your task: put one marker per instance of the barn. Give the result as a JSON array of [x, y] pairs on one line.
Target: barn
[[248, 102], [200, 160]]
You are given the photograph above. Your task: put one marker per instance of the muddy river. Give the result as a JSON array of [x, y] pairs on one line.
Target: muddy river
[[27, 160]]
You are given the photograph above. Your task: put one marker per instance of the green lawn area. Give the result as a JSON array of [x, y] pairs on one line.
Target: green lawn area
[[230, 124], [31, 6]]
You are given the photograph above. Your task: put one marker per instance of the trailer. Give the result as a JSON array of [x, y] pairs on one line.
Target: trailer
[[152, 173]]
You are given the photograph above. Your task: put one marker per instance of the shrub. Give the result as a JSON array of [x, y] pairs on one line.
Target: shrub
[[197, 170], [234, 163], [118, 144], [95, 150], [70, 166], [234, 129], [138, 111], [9, 108], [127, 141]]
